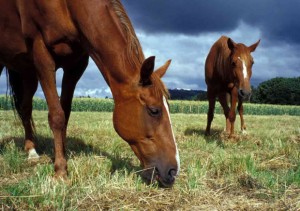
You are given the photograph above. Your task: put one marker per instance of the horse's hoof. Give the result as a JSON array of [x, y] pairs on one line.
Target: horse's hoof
[[232, 136], [61, 175], [32, 154], [244, 132], [61, 178], [207, 132]]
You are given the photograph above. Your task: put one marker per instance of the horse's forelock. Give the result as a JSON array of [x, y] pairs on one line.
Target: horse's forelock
[[159, 87]]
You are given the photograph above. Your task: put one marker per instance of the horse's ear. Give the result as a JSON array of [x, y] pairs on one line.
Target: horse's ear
[[163, 69], [231, 44], [253, 47], [147, 70]]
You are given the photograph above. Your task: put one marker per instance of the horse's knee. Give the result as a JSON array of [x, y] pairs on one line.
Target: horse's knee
[[26, 111], [56, 120], [231, 116]]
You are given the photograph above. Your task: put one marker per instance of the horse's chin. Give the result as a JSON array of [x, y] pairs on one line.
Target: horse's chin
[[151, 176], [165, 183], [244, 97]]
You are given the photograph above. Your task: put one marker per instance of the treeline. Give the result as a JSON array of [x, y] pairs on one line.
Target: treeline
[[280, 91], [183, 94]]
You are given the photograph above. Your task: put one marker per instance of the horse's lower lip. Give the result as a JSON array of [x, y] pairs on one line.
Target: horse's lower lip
[[166, 184], [244, 97]]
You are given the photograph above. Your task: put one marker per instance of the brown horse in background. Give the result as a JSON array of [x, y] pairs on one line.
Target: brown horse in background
[[38, 37], [228, 69]]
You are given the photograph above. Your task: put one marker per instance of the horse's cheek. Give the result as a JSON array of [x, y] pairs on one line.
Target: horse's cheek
[[126, 123]]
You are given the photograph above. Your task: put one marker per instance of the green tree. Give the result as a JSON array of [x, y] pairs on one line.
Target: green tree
[[284, 91]]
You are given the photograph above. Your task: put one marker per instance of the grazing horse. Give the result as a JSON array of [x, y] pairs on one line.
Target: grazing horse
[[228, 69], [38, 37]]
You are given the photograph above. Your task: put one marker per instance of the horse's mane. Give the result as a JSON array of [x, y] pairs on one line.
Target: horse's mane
[[223, 53], [134, 52]]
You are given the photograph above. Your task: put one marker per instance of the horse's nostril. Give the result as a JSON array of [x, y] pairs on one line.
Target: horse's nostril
[[172, 172], [241, 92], [244, 94]]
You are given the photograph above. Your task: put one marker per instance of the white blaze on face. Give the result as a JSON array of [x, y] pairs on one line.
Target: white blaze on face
[[177, 153], [245, 73]]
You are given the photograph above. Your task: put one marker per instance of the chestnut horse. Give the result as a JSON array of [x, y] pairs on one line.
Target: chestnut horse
[[228, 69], [38, 37]]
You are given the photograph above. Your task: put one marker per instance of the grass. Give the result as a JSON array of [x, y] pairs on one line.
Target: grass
[[257, 171], [176, 106]]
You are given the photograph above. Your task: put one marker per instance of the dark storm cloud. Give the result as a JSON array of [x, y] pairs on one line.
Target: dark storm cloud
[[185, 30], [277, 19]]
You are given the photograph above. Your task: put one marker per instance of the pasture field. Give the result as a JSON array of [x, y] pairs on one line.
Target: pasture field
[[256, 171], [176, 106]]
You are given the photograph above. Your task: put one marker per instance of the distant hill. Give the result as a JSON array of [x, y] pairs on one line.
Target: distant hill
[[185, 94]]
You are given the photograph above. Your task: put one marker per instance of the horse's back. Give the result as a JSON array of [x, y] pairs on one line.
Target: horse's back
[[12, 40], [21, 22]]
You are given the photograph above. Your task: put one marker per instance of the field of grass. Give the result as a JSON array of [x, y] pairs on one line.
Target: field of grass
[[257, 171]]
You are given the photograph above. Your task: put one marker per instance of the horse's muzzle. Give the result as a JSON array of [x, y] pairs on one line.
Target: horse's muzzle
[[168, 180], [164, 180], [244, 94]]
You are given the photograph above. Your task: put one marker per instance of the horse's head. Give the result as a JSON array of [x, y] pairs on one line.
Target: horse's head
[[142, 119], [241, 63]]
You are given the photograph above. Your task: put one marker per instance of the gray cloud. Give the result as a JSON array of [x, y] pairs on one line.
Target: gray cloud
[[277, 19], [184, 31]]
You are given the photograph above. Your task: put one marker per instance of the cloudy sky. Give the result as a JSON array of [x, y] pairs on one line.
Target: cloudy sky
[[184, 31]]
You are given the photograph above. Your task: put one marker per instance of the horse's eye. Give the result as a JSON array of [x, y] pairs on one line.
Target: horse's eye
[[233, 64], [154, 111]]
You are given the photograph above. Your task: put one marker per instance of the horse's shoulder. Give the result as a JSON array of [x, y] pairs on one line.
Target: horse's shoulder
[[38, 17]]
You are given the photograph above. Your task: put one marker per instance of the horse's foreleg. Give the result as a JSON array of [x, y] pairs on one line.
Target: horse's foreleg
[[232, 114], [223, 101], [70, 79], [210, 113], [46, 73], [240, 108]]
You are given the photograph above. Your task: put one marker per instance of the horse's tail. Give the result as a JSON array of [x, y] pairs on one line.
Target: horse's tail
[[15, 89], [1, 69], [14, 81]]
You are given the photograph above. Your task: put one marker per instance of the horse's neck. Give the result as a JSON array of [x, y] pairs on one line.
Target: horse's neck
[[222, 63], [104, 40]]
